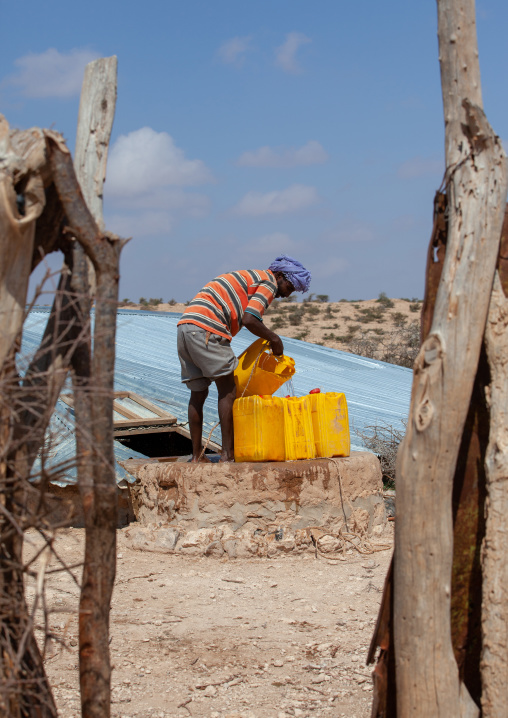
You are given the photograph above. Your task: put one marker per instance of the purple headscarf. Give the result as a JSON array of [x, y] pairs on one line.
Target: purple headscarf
[[293, 271]]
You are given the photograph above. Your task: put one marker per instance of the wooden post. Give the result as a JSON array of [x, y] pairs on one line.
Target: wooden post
[[427, 676], [95, 122], [495, 551], [93, 384]]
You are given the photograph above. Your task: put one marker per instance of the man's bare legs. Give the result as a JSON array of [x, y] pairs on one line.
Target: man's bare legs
[[196, 403], [227, 393]]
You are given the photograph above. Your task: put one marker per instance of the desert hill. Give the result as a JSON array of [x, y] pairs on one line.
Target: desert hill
[[383, 328]]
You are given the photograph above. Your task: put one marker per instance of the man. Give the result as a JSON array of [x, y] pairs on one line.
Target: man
[[207, 326]]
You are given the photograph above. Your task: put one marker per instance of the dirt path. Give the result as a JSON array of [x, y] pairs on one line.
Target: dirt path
[[207, 637]]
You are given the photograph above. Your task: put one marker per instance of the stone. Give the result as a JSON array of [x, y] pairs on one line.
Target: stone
[[254, 510], [210, 691], [285, 495]]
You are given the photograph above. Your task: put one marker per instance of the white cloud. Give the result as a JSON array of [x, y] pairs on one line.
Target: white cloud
[[350, 230], [258, 252], [292, 199], [141, 224], [420, 167], [285, 55], [51, 73], [144, 184], [310, 154], [233, 51], [145, 160], [329, 268], [174, 199]]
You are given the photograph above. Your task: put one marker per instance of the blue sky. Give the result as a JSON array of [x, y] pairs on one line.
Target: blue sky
[[247, 128]]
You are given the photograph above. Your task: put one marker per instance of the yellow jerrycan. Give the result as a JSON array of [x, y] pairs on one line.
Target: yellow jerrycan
[[259, 428], [260, 372], [298, 432], [330, 423]]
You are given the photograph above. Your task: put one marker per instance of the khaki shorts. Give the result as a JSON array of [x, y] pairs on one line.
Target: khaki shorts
[[202, 362]]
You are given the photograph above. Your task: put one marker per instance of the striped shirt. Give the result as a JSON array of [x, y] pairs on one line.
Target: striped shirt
[[219, 307]]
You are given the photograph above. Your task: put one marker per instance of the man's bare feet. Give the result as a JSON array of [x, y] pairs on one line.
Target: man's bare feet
[[200, 460], [226, 459]]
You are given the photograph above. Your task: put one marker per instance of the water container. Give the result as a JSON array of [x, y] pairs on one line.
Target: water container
[[298, 432], [330, 424], [260, 372], [259, 428]]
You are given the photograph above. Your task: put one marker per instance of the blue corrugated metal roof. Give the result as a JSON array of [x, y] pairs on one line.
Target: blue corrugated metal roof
[[147, 363]]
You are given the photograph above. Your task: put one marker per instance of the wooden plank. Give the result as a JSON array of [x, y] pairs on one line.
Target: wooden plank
[[120, 409], [144, 430], [145, 422], [149, 405]]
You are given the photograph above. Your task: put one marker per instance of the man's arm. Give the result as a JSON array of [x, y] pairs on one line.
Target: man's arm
[[256, 327]]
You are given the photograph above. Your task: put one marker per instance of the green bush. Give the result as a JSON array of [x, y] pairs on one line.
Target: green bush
[[302, 335], [278, 322], [323, 298], [312, 310], [295, 317], [399, 319], [370, 314], [385, 301], [415, 307], [172, 302]]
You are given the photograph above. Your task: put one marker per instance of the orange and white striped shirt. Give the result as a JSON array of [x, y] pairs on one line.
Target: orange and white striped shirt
[[219, 307]]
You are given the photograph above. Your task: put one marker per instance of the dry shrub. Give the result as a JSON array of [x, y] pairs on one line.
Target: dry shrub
[[383, 440]]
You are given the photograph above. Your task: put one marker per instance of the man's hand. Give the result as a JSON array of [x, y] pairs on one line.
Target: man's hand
[[259, 330], [277, 346]]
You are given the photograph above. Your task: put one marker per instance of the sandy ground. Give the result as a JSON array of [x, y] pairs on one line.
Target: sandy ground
[[207, 637], [366, 327]]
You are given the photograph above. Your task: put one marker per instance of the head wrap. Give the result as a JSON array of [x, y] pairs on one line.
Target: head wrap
[[293, 271]]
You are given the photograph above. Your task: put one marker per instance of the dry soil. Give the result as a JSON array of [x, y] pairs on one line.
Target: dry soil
[[256, 638]]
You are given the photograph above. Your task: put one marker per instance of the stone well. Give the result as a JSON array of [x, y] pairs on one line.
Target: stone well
[[254, 508]]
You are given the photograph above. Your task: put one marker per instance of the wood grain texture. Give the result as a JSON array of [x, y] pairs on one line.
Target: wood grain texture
[[494, 664], [427, 675], [95, 122]]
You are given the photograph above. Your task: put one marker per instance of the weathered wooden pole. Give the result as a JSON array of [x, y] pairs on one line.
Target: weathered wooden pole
[[494, 664], [95, 122], [93, 385], [428, 682]]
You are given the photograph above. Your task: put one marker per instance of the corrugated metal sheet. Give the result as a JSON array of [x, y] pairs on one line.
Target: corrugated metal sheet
[[147, 363]]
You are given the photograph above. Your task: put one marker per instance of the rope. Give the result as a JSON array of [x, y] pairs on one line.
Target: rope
[[334, 461], [350, 537]]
